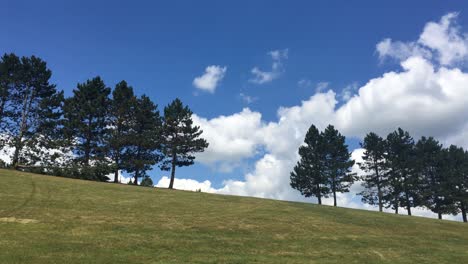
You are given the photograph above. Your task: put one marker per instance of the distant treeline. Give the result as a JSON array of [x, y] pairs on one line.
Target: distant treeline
[[93, 133], [399, 172]]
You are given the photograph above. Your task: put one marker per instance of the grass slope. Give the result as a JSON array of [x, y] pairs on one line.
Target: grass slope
[[47, 219]]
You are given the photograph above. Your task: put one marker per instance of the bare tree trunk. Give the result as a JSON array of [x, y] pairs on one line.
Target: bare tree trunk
[[463, 211], [173, 164], [319, 195]]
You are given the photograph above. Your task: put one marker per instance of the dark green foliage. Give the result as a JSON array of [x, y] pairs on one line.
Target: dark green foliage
[[403, 181], [29, 107], [456, 169], [10, 71], [86, 120], [432, 168], [181, 138], [374, 166], [144, 139], [147, 182], [337, 162], [307, 176], [86, 126], [121, 112]]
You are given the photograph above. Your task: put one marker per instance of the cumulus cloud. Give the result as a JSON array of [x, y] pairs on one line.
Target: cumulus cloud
[[261, 77], [210, 79], [231, 138], [424, 97], [441, 41]]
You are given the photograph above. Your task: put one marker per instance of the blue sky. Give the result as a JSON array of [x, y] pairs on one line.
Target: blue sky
[[159, 47]]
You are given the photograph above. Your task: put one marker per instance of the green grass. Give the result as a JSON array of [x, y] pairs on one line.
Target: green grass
[[47, 219]]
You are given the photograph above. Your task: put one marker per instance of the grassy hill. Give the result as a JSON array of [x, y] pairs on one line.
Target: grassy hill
[[47, 219]]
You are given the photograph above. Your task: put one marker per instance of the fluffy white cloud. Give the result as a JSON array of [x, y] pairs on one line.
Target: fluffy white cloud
[[210, 79], [231, 138], [424, 98], [261, 77], [441, 40]]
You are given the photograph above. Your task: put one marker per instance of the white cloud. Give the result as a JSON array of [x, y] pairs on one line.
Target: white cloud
[[422, 98], [247, 98], [441, 41], [321, 86], [261, 77], [445, 39], [186, 184], [231, 138], [121, 178], [210, 79], [349, 91], [304, 83]]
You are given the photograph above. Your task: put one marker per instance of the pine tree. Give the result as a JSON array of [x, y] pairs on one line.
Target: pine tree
[[121, 112], [431, 167], [144, 139], [374, 166], [86, 125], [181, 138], [337, 162], [307, 176], [10, 69], [457, 178], [34, 109], [403, 181]]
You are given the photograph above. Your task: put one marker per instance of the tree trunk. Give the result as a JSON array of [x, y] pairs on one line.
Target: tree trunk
[[379, 193], [463, 211], [173, 164], [23, 126], [396, 205], [116, 173], [334, 198], [136, 177], [379, 189], [439, 215], [334, 191], [319, 195], [408, 206], [116, 176], [16, 153]]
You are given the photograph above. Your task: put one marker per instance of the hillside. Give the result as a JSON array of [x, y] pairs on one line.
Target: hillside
[[47, 219]]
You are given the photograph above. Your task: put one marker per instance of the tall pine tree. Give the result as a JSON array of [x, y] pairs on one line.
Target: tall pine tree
[[34, 109], [457, 178], [121, 114], [431, 167], [337, 162], [144, 139], [374, 166], [86, 126], [403, 181], [10, 70], [307, 176], [181, 138]]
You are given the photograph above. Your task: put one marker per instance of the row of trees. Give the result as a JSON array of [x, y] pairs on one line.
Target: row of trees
[[92, 133], [398, 172]]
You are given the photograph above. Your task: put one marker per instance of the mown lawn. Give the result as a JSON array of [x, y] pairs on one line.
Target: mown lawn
[[47, 219]]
